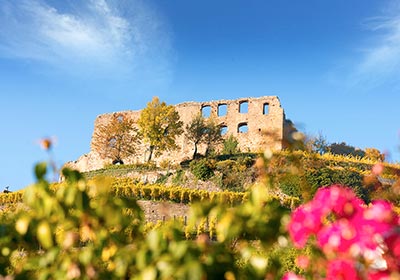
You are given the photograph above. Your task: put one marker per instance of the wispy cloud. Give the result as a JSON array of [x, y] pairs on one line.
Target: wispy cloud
[[380, 62], [88, 34]]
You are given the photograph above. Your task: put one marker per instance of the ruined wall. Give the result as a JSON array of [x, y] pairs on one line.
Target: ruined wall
[[257, 123]]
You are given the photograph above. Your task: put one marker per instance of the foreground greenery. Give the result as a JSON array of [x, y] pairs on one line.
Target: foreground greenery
[[94, 229], [81, 231]]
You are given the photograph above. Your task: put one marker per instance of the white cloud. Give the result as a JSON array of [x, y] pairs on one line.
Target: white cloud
[[88, 34], [380, 63]]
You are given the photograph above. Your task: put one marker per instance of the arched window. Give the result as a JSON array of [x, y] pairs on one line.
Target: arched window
[[223, 129], [243, 107], [222, 110], [206, 111], [243, 128]]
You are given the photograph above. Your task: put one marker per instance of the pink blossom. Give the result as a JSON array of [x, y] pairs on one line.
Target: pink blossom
[[302, 261], [377, 169], [337, 237], [341, 269], [379, 275], [339, 200], [346, 230], [305, 221]]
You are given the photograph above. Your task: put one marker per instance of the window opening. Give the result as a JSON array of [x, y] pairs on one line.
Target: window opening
[[243, 107], [206, 111], [266, 109], [112, 142], [243, 128], [222, 110], [223, 130]]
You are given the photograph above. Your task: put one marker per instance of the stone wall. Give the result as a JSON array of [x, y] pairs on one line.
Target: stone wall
[[257, 123]]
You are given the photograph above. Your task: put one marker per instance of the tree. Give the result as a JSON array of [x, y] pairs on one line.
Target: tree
[[231, 146], [159, 125], [195, 132], [212, 134], [374, 154], [344, 149], [319, 144], [116, 139]]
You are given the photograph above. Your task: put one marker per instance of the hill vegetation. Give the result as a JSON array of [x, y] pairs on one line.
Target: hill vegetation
[[245, 214]]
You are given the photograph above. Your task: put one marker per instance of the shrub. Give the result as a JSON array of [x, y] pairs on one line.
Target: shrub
[[202, 169], [231, 146]]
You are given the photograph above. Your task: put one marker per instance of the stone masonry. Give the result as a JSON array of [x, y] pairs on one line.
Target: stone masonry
[[257, 123]]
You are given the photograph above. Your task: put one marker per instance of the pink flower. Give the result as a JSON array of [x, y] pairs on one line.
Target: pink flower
[[302, 261], [337, 237], [380, 275], [305, 221], [339, 200], [377, 169], [348, 232], [341, 269]]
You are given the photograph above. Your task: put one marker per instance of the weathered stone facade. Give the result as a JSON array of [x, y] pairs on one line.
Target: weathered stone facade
[[257, 123]]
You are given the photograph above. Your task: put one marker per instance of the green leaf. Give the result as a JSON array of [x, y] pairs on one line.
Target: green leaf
[[40, 170], [44, 234]]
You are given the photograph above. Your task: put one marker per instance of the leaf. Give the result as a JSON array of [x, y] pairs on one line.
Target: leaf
[[44, 234], [40, 170]]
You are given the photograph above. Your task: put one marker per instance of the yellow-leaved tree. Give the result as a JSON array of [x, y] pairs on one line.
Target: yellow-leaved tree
[[159, 124], [116, 139]]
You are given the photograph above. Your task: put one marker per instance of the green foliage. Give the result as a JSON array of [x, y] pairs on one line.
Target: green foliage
[[212, 135], [195, 132], [159, 124], [231, 146], [290, 185], [179, 177], [120, 170], [344, 149], [235, 175], [202, 169], [78, 230], [318, 144], [95, 229], [200, 130], [326, 176]]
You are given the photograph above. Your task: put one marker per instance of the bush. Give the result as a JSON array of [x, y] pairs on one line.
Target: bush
[[235, 175], [231, 146], [202, 169]]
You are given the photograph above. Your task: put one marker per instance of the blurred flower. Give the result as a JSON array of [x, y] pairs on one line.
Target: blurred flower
[[292, 276], [302, 261], [47, 143], [377, 169], [349, 232], [341, 269]]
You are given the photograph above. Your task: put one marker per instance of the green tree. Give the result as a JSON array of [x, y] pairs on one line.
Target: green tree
[[195, 132], [159, 124], [231, 146], [212, 135], [319, 144], [344, 149], [116, 139]]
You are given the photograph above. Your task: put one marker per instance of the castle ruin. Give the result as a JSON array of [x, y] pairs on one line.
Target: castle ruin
[[257, 123]]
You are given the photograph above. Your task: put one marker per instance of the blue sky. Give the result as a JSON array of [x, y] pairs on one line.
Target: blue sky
[[335, 66]]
